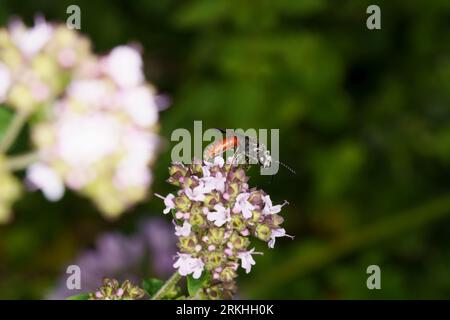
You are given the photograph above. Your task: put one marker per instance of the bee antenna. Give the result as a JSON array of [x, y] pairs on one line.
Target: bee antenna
[[290, 169]]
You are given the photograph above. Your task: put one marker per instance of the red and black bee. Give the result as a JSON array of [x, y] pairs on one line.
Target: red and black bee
[[244, 147]]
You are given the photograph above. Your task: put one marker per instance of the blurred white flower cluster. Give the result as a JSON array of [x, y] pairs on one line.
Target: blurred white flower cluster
[[97, 118], [37, 63]]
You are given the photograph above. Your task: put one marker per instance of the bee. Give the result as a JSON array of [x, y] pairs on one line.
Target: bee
[[246, 148]]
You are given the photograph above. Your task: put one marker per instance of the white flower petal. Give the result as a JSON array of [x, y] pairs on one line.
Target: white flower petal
[[124, 66], [5, 81], [44, 178]]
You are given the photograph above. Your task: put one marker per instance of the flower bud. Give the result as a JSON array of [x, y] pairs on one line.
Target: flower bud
[[112, 290], [214, 292], [182, 203], [277, 219], [240, 175], [256, 198], [177, 173], [188, 244], [237, 223], [189, 182], [178, 170], [233, 190], [197, 219], [238, 241], [214, 259], [256, 216], [228, 274], [216, 235], [211, 199], [197, 168], [263, 232]]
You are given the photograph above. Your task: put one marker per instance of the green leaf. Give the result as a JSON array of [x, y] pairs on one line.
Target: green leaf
[[194, 285], [82, 296], [151, 286], [5, 118]]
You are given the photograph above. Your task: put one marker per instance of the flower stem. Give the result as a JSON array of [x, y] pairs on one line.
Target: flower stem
[[20, 162], [13, 131], [170, 283]]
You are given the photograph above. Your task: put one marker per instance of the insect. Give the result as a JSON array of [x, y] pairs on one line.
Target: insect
[[245, 147]]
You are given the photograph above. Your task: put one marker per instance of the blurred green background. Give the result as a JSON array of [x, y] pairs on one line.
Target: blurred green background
[[363, 118]]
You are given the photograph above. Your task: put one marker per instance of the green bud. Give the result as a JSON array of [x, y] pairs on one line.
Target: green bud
[[187, 244], [233, 190], [197, 168], [112, 290], [189, 182], [237, 223], [238, 241], [277, 219], [177, 169], [256, 216], [263, 232], [182, 203], [240, 175], [256, 198], [227, 274], [197, 219], [214, 259], [176, 172], [214, 293], [196, 208], [228, 289], [211, 199], [216, 235]]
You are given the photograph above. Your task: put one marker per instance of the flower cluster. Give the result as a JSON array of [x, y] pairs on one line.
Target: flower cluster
[[112, 290], [102, 136], [215, 214], [36, 63], [95, 118], [9, 191]]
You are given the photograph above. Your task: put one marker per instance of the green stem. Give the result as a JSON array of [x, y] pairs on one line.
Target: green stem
[[167, 287], [20, 162], [13, 131]]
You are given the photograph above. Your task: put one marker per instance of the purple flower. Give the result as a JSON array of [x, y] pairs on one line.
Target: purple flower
[[124, 257]]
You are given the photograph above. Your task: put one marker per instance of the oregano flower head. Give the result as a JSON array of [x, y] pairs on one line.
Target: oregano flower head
[[113, 290], [216, 215]]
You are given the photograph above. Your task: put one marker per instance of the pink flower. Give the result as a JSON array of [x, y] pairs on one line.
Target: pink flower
[[91, 91], [268, 208], [188, 265], [31, 41], [220, 216], [242, 205], [47, 180], [86, 139], [124, 66], [168, 202], [277, 233], [140, 105], [247, 260], [215, 183], [218, 161], [183, 231], [198, 193]]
